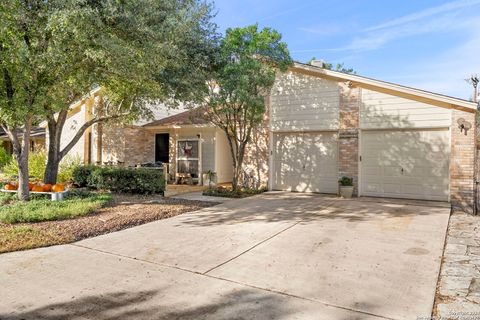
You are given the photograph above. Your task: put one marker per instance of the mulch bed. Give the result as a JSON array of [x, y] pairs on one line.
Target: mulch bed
[[125, 211]]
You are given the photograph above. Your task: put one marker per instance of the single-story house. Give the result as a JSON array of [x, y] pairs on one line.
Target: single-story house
[[320, 125], [37, 140]]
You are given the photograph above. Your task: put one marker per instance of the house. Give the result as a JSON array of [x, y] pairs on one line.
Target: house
[[37, 140], [394, 141]]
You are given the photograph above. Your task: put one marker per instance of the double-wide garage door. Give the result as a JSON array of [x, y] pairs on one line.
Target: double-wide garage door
[[305, 162], [411, 164]]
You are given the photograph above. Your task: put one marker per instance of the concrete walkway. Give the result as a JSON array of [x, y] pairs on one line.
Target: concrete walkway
[[459, 287], [273, 256]]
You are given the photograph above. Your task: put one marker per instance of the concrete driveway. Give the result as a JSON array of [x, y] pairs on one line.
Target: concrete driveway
[[274, 256]]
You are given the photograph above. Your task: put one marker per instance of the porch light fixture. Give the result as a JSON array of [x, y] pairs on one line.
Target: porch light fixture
[[464, 125]]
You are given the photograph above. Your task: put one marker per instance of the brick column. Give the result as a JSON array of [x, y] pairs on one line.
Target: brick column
[[348, 133], [462, 163]]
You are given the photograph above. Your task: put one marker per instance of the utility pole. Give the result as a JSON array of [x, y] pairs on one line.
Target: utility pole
[[473, 80]]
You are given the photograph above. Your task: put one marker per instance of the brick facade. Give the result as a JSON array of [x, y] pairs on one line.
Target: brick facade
[[462, 163], [348, 133], [139, 145]]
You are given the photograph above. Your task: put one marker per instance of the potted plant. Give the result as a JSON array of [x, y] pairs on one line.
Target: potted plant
[[209, 178], [346, 187]]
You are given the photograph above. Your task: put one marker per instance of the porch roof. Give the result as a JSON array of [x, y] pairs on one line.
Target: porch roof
[[35, 132], [189, 117]]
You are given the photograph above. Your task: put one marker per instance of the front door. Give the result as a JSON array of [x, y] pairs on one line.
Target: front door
[[162, 147]]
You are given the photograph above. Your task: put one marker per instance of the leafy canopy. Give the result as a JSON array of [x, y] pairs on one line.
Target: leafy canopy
[[54, 52], [247, 65]]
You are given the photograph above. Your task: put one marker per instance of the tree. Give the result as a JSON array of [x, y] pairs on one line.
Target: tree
[[248, 61], [22, 83], [137, 51]]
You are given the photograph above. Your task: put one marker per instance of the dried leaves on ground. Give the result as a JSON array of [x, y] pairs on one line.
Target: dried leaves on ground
[[125, 211]]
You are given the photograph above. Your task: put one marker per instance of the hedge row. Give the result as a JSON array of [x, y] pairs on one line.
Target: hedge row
[[141, 181]]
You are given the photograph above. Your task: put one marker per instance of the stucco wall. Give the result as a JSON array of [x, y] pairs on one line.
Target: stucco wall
[[70, 129]]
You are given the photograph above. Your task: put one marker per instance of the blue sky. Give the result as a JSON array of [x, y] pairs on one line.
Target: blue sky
[[432, 45]]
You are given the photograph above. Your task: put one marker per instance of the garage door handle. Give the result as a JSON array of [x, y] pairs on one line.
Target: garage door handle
[[402, 170]]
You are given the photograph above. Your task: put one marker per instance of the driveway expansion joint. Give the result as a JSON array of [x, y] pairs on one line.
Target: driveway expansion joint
[[261, 242]]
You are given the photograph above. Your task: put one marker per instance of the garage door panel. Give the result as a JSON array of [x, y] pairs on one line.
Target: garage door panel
[[423, 156], [310, 165]]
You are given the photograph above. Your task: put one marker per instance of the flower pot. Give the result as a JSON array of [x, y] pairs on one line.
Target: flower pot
[[207, 182], [346, 191]]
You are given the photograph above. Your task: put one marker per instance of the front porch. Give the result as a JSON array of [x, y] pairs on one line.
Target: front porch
[[176, 189]]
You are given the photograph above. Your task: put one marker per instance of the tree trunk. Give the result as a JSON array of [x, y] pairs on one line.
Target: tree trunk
[[21, 151], [23, 179], [51, 171], [54, 156]]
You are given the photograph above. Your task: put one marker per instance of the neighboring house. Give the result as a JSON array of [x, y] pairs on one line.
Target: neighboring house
[[37, 140], [394, 141]]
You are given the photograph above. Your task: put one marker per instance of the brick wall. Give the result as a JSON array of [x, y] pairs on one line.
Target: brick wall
[[348, 133], [462, 163], [139, 145]]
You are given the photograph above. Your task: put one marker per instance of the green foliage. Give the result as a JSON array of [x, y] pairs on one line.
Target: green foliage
[[231, 193], [346, 181], [67, 168], [4, 157], [53, 53], [36, 166], [44, 209], [139, 181], [81, 175], [247, 63]]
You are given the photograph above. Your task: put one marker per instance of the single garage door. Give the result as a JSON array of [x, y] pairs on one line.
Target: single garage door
[[305, 162], [410, 164]]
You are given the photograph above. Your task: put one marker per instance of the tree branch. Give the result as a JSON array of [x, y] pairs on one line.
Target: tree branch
[[84, 128]]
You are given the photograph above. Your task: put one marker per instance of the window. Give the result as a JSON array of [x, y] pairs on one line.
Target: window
[[188, 157]]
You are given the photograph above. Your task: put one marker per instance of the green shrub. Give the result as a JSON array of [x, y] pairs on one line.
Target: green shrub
[[81, 175], [36, 166], [4, 157], [67, 168], [141, 181], [346, 181], [229, 193]]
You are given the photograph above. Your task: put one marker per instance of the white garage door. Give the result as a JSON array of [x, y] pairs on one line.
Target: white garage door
[[305, 162], [405, 164]]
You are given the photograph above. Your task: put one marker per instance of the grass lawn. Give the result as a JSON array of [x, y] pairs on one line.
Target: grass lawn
[[41, 208], [229, 193], [41, 222]]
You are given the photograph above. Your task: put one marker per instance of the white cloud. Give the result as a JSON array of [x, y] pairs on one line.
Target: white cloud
[[421, 15], [325, 29], [446, 73], [443, 18]]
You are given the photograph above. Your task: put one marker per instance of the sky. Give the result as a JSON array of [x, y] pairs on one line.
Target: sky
[[427, 44]]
